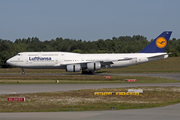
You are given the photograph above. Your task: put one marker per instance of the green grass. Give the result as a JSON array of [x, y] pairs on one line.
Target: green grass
[[85, 100], [77, 79]]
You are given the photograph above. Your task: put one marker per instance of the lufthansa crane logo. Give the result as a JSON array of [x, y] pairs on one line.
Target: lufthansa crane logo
[[161, 42]]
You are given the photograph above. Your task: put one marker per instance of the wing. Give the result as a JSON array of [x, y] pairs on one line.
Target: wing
[[103, 62]]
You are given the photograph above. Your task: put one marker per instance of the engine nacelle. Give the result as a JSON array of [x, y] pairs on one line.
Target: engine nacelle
[[73, 68], [94, 66]]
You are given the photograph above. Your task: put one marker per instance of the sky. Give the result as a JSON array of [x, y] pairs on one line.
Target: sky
[[88, 20]]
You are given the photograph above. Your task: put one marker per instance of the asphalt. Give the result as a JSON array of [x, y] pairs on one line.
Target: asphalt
[[161, 113], [36, 88]]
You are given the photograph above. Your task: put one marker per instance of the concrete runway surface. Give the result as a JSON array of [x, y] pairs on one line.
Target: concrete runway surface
[[36, 88], [161, 113]]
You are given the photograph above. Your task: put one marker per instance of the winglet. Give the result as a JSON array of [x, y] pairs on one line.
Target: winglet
[[159, 44]]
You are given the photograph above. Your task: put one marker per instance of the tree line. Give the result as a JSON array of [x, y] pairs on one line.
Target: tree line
[[122, 44]]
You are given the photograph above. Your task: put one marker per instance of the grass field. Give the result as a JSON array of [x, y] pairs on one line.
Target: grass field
[[86, 100]]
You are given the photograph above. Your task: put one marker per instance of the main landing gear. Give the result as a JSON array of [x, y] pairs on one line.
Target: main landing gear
[[23, 71], [87, 72]]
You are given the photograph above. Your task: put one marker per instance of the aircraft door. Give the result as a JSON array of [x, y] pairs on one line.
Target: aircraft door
[[61, 59]]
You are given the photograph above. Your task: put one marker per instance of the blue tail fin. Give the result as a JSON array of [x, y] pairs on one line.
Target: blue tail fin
[[159, 44]]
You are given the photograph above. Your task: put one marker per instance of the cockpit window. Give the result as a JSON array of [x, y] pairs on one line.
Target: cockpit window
[[18, 55]]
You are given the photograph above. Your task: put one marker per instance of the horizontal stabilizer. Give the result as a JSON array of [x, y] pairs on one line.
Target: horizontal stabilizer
[[158, 55]]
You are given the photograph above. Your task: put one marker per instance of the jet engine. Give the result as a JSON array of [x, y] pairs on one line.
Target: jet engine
[[73, 68], [93, 66]]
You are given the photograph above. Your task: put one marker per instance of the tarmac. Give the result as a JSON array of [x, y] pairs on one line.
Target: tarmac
[[37, 88]]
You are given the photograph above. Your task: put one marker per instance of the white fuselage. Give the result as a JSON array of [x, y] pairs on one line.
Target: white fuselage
[[59, 60]]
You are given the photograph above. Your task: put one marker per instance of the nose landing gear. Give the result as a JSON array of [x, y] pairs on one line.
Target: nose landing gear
[[23, 71]]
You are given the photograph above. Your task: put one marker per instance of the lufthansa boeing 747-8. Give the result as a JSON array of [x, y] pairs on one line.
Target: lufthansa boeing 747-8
[[74, 62]]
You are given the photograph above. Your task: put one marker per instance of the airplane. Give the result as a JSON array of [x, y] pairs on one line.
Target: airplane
[[89, 63]]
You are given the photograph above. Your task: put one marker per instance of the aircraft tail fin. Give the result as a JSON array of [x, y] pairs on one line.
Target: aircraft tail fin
[[159, 44]]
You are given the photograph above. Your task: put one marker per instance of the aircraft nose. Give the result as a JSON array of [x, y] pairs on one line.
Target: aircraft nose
[[8, 61], [12, 61]]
